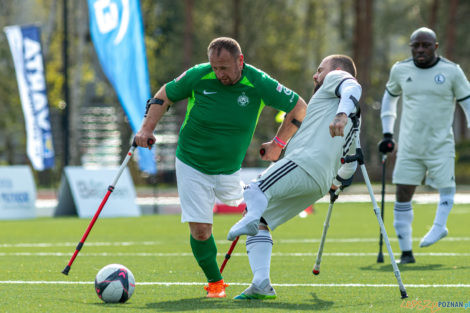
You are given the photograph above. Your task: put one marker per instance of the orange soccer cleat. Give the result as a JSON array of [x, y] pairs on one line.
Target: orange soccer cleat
[[216, 289]]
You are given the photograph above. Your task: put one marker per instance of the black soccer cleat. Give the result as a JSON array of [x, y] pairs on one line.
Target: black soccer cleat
[[407, 257]]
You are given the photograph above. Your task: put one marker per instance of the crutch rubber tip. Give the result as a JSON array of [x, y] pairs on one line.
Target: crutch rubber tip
[[66, 270], [404, 295], [315, 272], [380, 258]]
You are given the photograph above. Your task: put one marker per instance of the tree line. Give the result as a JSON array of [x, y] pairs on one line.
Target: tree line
[[286, 39]]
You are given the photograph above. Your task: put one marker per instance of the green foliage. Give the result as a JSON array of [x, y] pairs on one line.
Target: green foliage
[[286, 39]]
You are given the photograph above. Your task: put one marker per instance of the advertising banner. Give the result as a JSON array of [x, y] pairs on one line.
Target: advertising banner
[[25, 45], [118, 36], [82, 191], [17, 193]]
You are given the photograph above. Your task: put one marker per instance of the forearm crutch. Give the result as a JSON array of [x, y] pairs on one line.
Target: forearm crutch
[[326, 225], [103, 202], [359, 157], [380, 256]]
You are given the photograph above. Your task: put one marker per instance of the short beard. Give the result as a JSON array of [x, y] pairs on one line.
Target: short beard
[[316, 88]]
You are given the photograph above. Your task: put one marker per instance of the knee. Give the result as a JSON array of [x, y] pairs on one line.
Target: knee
[[200, 231], [253, 193], [446, 196], [404, 193]]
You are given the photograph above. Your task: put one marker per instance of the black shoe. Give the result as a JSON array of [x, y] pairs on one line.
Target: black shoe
[[407, 257]]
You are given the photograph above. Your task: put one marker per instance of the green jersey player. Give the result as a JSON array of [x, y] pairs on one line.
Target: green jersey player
[[429, 86], [225, 99], [310, 167]]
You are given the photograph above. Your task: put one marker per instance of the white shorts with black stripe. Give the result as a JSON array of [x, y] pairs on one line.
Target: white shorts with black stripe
[[289, 190]]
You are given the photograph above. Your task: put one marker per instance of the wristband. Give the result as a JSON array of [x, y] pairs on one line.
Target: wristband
[[279, 142]]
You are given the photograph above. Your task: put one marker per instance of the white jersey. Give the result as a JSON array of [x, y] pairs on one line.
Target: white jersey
[[428, 97], [312, 146]]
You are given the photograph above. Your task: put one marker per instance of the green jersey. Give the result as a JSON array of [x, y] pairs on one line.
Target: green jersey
[[220, 120]]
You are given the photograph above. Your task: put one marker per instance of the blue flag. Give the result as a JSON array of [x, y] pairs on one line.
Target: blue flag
[[25, 45], [117, 33]]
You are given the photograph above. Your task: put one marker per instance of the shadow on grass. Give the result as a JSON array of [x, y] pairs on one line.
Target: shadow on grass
[[192, 304], [406, 267]]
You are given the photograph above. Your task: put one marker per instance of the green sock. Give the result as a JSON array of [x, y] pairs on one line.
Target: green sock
[[205, 253]]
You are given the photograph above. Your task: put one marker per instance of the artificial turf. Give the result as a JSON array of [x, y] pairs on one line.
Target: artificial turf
[[156, 249]]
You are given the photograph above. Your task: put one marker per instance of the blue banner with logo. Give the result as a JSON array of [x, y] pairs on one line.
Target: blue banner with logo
[[25, 46], [117, 33]]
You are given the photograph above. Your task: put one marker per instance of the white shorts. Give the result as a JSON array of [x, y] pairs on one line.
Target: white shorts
[[289, 190], [439, 173], [197, 192]]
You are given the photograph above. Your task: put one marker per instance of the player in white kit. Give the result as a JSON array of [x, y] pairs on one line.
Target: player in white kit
[[429, 86], [310, 167]]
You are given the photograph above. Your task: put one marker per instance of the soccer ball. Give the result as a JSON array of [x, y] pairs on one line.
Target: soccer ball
[[114, 283]]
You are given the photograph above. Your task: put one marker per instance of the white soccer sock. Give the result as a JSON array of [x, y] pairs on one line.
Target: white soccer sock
[[256, 201], [446, 201], [403, 216], [259, 248]]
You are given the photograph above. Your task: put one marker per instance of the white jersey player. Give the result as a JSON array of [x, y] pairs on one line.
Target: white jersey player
[[429, 86], [311, 166]]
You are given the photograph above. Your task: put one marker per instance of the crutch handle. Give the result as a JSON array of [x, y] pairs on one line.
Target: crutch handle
[[150, 142], [359, 157]]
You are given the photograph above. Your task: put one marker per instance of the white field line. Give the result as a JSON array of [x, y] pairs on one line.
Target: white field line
[[154, 243], [420, 198], [189, 254], [43, 282]]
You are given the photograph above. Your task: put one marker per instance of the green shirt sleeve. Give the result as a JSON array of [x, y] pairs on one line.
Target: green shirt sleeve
[[182, 87], [274, 94]]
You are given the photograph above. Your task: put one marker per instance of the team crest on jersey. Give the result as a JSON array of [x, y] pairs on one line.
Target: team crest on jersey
[[279, 87], [439, 79], [243, 100]]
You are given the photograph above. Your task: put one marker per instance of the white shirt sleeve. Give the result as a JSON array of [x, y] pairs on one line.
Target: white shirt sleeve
[[348, 88], [465, 104], [388, 114]]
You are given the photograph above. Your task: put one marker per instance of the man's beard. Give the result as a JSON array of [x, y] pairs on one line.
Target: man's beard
[[317, 86]]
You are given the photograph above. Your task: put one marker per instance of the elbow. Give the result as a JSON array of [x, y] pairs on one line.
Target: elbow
[[300, 110]]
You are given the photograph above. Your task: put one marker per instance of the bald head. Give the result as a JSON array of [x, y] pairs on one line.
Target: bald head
[[423, 47], [424, 31]]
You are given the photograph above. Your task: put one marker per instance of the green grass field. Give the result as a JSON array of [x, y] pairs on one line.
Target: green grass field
[[156, 249]]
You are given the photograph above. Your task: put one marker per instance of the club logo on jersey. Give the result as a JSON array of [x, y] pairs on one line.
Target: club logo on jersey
[[439, 79], [243, 100], [279, 87]]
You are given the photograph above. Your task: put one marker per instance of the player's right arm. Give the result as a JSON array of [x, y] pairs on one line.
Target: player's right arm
[[349, 92], [178, 89], [153, 115], [388, 113], [346, 172]]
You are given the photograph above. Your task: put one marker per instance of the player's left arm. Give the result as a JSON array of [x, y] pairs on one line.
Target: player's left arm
[[461, 90], [288, 128], [465, 104], [350, 92]]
